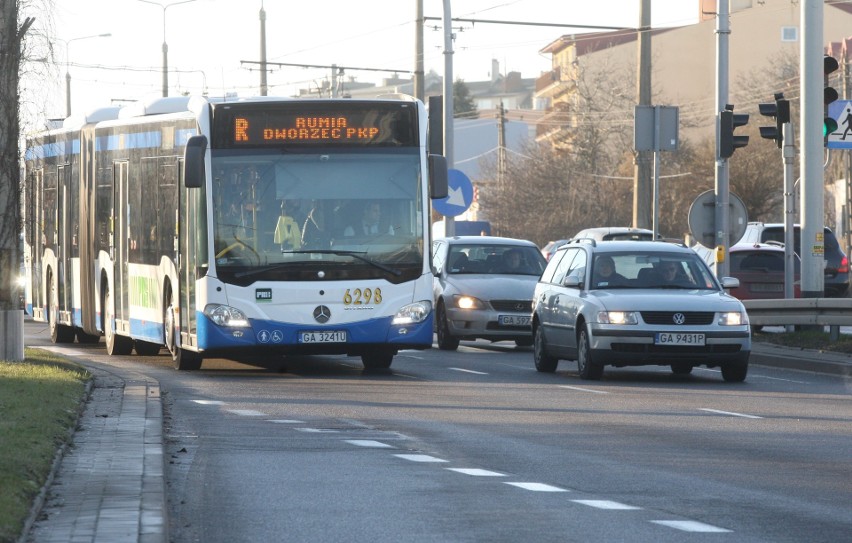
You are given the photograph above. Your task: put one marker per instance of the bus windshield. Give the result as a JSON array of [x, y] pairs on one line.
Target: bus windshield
[[289, 215]]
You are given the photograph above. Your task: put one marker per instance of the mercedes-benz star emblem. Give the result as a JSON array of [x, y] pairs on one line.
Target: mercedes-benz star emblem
[[322, 314], [678, 318]]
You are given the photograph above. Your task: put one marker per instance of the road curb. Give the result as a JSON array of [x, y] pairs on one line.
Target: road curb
[[768, 354]]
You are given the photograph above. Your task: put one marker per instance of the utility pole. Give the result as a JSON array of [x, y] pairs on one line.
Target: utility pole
[[263, 86], [722, 186], [449, 222], [812, 217], [642, 161], [419, 84], [501, 145]]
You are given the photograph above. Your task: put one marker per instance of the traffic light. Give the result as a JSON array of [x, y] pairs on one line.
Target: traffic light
[[780, 110], [728, 121], [829, 65]]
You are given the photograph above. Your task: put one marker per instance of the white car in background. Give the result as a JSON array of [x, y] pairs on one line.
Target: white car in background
[[478, 294]]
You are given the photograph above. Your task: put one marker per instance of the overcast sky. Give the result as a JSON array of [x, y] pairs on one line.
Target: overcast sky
[[209, 39]]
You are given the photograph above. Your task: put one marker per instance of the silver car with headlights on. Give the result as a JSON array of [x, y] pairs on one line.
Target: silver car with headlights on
[[634, 303], [483, 289]]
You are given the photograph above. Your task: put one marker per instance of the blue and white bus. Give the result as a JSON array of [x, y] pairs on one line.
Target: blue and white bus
[[235, 229]]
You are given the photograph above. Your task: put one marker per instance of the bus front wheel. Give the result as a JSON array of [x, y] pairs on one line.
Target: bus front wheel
[[182, 359], [116, 345], [380, 359]]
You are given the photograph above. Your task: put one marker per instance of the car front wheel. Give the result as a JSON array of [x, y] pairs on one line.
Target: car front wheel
[[586, 367], [543, 361], [734, 372], [446, 341]]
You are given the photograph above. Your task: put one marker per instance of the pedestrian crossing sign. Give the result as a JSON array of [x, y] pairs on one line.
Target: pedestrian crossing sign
[[840, 111]]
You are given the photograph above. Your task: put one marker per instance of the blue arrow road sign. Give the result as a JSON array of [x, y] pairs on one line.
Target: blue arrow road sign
[[459, 197], [841, 111]]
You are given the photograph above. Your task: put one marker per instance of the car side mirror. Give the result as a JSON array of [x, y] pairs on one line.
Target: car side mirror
[[730, 282], [572, 281]]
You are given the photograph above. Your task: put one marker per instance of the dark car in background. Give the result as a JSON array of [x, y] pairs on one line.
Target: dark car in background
[[836, 263], [760, 269]]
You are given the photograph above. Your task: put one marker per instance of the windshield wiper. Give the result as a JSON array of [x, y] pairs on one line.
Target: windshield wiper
[[354, 254]]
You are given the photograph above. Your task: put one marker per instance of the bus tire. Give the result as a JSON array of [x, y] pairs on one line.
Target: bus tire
[[377, 360], [59, 333], [116, 345], [90, 339], [146, 348], [185, 360], [182, 359]]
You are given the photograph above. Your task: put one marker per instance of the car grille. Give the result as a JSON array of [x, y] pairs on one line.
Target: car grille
[[667, 317], [519, 306]]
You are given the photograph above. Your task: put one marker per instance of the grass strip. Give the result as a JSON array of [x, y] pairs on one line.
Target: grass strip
[[40, 401], [808, 339]]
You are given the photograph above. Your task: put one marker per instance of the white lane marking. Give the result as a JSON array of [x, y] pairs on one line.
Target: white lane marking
[[780, 379], [316, 430], [419, 458], [538, 487], [209, 402], [690, 526], [477, 472], [247, 412], [730, 413], [469, 371], [606, 504], [285, 421], [581, 389], [369, 443]]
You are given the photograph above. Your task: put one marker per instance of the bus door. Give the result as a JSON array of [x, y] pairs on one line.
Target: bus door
[[123, 242], [37, 239], [189, 237], [63, 272]]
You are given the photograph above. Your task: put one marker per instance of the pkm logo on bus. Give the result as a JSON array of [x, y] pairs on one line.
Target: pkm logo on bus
[[263, 295]]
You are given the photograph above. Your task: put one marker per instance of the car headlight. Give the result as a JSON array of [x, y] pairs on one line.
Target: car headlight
[[618, 317], [468, 302], [413, 313], [732, 318], [227, 316]]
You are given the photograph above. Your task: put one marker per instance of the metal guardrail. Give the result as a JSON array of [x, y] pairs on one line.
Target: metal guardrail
[[800, 311]]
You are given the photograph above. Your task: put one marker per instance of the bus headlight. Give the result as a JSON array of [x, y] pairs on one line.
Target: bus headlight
[[22, 281], [413, 313], [227, 316]]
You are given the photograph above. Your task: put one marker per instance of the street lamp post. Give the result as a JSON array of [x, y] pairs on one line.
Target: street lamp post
[[68, 67], [164, 7]]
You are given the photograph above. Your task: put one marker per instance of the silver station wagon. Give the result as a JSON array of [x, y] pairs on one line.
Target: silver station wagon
[[634, 303]]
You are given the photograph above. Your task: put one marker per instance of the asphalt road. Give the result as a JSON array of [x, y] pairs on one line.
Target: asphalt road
[[475, 445]]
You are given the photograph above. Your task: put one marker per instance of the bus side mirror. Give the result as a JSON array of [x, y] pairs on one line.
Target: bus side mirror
[[438, 187], [193, 162]]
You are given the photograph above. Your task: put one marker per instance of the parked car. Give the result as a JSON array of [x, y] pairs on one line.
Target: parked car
[[483, 289], [551, 246], [660, 305], [615, 233], [836, 263], [760, 269]]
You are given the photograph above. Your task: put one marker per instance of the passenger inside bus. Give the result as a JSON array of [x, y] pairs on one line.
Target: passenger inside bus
[[287, 233]]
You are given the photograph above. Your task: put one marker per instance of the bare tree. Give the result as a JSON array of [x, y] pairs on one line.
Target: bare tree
[[12, 33]]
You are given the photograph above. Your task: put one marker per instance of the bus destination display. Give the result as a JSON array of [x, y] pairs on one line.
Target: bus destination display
[[360, 127]]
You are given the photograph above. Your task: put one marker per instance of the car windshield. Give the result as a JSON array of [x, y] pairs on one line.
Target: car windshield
[[495, 259], [657, 270]]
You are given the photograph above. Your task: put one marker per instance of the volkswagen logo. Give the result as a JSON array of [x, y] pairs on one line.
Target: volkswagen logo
[[677, 318], [322, 314]]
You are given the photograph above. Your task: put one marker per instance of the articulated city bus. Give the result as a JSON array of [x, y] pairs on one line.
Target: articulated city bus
[[238, 229]]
